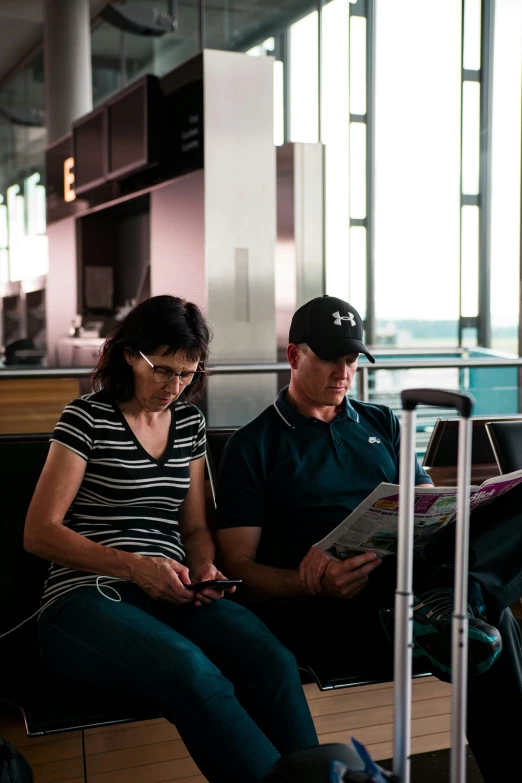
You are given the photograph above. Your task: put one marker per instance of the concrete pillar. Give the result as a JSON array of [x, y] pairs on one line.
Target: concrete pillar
[[67, 59]]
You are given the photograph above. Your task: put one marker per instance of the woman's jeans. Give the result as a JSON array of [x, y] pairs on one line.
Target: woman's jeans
[[215, 671]]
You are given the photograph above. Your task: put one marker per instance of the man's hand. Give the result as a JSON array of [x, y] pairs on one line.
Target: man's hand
[[347, 579], [204, 573], [312, 569]]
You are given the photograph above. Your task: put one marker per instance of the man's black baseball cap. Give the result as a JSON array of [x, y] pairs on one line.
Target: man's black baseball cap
[[330, 327]]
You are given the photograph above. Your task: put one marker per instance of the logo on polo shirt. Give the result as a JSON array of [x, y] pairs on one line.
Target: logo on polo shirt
[[338, 318], [374, 440]]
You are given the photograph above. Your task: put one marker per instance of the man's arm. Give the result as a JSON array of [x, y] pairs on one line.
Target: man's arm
[[241, 502], [265, 584], [262, 583]]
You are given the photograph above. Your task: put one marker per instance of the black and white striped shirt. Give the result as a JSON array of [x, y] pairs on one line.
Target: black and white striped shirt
[[127, 499]]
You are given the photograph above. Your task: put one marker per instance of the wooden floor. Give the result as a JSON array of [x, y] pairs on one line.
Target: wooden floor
[[152, 752]]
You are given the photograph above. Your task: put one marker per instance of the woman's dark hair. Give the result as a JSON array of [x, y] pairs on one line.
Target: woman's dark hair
[[165, 322]]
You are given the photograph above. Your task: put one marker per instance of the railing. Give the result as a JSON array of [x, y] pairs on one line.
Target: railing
[[493, 381], [280, 367]]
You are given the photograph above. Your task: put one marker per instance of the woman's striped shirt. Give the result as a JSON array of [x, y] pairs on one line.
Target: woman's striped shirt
[[127, 499]]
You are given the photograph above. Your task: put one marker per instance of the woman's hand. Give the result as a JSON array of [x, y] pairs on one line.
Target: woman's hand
[[163, 578], [204, 573]]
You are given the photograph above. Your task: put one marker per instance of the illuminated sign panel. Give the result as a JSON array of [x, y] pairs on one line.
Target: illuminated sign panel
[[68, 180]]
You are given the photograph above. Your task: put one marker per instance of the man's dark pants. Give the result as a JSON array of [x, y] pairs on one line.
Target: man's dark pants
[[349, 634]]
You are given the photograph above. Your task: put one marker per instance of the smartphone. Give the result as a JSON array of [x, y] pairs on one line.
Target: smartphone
[[218, 584]]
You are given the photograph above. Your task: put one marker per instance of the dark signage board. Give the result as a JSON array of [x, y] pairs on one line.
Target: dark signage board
[[188, 124], [90, 150], [149, 133], [134, 121]]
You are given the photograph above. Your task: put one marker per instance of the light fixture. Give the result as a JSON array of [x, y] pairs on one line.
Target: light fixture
[[22, 115], [140, 20]]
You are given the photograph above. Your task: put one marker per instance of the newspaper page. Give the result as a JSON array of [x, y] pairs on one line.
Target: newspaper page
[[374, 524]]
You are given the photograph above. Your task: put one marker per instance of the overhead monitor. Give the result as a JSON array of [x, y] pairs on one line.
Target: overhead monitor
[[133, 127], [90, 150]]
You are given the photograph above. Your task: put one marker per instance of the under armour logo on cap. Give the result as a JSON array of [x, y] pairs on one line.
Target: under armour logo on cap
[[330, 327], [338, 318]]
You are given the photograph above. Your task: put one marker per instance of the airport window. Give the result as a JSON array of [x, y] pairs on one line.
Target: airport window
[[304, 80], [505, 176], [425, 171], [417, 165], [335, 122]]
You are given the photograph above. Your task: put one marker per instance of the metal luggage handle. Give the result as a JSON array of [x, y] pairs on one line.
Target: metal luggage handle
[[438, 398], [404, 597]]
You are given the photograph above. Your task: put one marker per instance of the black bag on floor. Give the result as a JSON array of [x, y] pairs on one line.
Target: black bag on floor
[[14, 768]]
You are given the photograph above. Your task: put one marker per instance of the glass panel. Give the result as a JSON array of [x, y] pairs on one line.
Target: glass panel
[[7, 154], [505, 173], [237, 25], [23, 245], [3, 224], [304, 81], [157, 55], [335, 120], [471, 137], [357, 170], [28, 254], [4, 266], [357, 292], [4, 257], [35, 205], [357, 65], [22, 149], [470, 261], [279, 100], [472, 24], [106, 60], [171, 50], [417, 162]]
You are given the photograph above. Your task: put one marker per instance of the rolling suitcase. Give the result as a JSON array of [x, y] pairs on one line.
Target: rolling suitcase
[[404, 593], [336, 763]]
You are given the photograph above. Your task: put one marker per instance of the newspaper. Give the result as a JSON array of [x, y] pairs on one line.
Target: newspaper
[[373, 526]]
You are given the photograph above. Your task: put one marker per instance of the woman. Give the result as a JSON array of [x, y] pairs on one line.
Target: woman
[[119, 511]]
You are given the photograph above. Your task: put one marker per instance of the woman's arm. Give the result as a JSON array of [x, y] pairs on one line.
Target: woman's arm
[[45, 535], [192, 520], [196, 537]]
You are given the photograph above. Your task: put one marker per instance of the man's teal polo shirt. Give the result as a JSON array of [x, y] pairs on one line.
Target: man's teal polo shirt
[[297, 477]]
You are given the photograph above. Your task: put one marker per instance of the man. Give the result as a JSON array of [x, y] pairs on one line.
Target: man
[[291, 475]]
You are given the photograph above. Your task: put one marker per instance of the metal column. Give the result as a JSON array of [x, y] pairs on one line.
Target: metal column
[[366, 9], [482, 199], [486, 120], [67, 59]]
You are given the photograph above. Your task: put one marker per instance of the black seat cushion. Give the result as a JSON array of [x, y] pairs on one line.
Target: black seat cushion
[[217, 439], [506, 439], [48, 704]]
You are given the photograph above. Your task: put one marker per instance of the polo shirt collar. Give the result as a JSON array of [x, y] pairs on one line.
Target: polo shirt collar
[[293, 418]]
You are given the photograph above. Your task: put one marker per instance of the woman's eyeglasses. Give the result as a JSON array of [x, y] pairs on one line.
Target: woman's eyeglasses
[[166, 375]]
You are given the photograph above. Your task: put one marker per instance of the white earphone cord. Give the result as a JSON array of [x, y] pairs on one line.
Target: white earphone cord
[[97, 586]]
